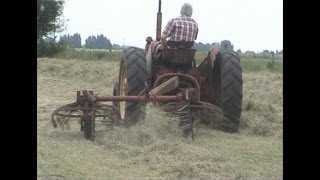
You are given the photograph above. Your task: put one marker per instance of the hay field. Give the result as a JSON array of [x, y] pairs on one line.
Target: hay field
[[153, 149]]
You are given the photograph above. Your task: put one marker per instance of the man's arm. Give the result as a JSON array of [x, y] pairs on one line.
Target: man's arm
[[196, 33], [168, 30], [163, 40]]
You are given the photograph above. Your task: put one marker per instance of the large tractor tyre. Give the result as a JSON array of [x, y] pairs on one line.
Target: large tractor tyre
[[132, 78], [227, 87]]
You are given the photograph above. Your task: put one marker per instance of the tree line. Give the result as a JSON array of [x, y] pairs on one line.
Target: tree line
[[91, 42], [102, 42], [224, 46], [50, 22]]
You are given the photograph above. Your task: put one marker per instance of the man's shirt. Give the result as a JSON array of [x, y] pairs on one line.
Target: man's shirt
[[181, 29]]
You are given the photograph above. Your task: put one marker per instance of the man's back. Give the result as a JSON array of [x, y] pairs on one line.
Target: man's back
[[181, 28]]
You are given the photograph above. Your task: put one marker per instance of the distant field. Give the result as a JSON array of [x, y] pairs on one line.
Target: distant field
[[154, 149], [250, 63], [98, 50]]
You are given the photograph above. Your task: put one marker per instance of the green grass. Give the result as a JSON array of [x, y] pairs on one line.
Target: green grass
[[87, 54], [261, 64], [153, 148], [249, 63], [253, 64]]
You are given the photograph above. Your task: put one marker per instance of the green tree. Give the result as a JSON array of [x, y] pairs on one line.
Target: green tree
[[97, 42], [49, 17], [48, 47], [73, 41], [202, 47], [226, 45]]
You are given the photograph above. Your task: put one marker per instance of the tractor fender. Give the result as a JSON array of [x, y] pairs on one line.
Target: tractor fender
[[213, 53], [155, 45]]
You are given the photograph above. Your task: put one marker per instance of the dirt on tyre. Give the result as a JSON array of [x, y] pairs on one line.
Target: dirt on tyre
[[132, 78]]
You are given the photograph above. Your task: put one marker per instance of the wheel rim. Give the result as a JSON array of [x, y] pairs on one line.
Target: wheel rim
[[123, 90]]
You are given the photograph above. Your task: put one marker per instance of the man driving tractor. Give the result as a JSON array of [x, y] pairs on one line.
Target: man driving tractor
[[182, 30]]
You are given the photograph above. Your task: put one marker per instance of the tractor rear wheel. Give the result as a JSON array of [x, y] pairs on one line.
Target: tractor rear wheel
[[116, 120], [231, 81], [226, 90], [132, 78]]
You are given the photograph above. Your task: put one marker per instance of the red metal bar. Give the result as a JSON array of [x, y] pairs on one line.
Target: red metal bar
[[186, 76], [139, 98]]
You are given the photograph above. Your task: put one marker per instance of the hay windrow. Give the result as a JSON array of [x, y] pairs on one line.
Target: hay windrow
[[153, 148]]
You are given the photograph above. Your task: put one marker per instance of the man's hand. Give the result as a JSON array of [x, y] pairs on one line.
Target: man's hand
[[163, 40]]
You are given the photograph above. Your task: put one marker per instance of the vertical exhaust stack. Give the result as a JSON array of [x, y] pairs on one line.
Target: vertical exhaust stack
[[159, 19]]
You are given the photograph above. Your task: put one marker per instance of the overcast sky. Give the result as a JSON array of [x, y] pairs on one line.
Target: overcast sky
[[249, 24]]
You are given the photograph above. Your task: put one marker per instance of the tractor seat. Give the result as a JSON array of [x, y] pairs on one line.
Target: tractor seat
[[179, 44], [178, 53]]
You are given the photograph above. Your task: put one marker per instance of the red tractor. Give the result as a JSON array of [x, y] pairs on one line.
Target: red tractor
[[210, 92]]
